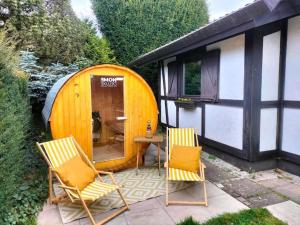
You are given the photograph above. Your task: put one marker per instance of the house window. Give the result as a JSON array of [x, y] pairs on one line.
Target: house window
[[200, 78], [192, 78]]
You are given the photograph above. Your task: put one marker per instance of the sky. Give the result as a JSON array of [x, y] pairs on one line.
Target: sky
[[217, 8]]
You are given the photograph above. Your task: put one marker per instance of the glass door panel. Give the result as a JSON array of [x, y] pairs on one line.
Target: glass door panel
[[107, 117]]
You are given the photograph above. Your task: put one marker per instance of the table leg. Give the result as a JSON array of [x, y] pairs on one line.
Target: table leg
[[158, 155], [137, 158]]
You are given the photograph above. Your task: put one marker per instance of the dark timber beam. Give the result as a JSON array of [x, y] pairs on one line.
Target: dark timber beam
[[248, 80], [283, 43]]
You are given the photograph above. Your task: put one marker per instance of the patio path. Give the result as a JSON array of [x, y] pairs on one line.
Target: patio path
[[257, 189], [154, 211], [229, 190]]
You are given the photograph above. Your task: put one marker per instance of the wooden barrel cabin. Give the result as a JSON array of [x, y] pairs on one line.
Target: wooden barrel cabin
[[104, 107]]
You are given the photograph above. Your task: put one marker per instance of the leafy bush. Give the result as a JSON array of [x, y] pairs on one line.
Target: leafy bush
[[22, 185], [27, 201], [98, 51], [52, 30], [136, 27], [189, 221]]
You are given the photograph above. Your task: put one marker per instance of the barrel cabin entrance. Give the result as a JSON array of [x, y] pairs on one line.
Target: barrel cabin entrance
[[108, 117], [104, 107]]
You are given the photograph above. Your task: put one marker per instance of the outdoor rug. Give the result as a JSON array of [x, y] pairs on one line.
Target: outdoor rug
[[147, 184]]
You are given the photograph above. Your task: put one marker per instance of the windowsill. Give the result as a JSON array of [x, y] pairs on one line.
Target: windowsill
[[198, 99], [193, 103], [185, 104]]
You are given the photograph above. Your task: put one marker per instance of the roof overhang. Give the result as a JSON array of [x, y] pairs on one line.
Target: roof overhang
[[51, 96], [253, 15]]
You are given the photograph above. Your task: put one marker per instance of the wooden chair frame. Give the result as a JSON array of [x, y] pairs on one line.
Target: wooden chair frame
[[201, 175], [67, 197]]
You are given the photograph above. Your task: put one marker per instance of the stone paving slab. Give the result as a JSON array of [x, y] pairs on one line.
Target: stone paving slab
[[262, 200], [245, 188], [149, 217], [49, 216], [119, 220], [273, 183], [292, 191], [218, 204], [216, 174], [284, 187], [288, 212]]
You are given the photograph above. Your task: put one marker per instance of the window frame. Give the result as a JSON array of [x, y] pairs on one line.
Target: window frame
[[195, 56]]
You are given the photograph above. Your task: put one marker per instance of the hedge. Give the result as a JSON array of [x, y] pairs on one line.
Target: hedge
[[20, 180]]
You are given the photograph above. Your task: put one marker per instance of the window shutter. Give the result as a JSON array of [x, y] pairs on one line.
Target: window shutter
[[210, 75], [172, 79]]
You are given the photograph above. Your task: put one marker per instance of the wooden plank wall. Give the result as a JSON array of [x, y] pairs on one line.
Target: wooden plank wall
[[71, 112]]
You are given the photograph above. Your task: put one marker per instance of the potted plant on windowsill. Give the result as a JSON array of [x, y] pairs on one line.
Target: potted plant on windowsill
[[186, 103]]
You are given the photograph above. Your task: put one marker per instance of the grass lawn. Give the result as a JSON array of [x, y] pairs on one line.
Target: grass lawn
[[245, 217]]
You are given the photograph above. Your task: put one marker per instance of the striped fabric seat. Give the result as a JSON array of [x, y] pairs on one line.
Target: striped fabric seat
[[184, 137], [58, 152], [61, 150], [95, 190], [182, 175], [181, 136]]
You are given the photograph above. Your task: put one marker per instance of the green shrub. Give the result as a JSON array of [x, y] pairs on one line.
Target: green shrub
[[257, 216], [22, 181], [189, 221], [136, 27]]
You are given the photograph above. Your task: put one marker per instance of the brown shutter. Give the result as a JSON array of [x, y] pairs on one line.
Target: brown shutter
[[172, 79], [210, 75]]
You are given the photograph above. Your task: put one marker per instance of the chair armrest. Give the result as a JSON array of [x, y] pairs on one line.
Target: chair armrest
[[201, 169], [202, 165], [110, 174], [166, 164], [52, 170]]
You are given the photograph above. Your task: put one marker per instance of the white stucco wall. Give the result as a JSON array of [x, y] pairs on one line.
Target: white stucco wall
[[291, 131], [268, 128], [166, 76], [292, 72], [270, 67], [231, 67], [224, 124], [162, 112], [191, 118], [171, 112]]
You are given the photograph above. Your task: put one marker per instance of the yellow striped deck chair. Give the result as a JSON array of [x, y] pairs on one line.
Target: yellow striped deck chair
[[183, 137], [59, 151]]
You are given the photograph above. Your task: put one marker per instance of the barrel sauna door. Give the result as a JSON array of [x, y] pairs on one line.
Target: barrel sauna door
[[108, 119]]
